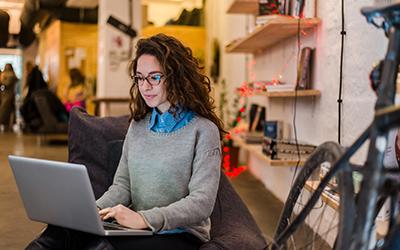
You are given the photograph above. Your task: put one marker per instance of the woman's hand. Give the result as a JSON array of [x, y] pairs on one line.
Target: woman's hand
[[124, 216]]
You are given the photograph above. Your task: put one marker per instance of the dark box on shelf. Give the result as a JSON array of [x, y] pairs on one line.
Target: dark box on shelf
[[273, 129]]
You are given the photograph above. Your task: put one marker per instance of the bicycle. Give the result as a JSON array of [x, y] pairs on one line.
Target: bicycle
[[357, 211]]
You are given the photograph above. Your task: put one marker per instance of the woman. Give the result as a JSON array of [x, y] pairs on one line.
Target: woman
[[75, 93], [168, 175], [7, 95]]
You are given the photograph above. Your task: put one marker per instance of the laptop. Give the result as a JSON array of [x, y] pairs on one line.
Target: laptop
[[60, 193]]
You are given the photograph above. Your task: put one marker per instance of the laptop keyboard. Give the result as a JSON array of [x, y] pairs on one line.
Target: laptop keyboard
[[113, 226]]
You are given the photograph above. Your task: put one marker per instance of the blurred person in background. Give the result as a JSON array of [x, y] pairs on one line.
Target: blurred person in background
[[42, 110], [7, 96], [34, 80], [75, 94], [28, 70]]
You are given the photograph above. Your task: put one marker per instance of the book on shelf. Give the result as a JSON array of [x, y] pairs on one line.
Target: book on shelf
[[256, 118], [268, 7], [280, 87], [304, 68], [299, 7], [285, 7], [304, 8], [252, 137]]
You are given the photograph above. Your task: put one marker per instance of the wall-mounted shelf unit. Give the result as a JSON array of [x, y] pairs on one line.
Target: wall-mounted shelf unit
[[283, 94], [256, 149], [311, 186], [275, 30], [243, 7]]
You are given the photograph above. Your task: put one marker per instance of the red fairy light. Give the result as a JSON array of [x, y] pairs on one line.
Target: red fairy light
[[236, 171], [242, 110], [238, 130], [226, 149], [227, 166]]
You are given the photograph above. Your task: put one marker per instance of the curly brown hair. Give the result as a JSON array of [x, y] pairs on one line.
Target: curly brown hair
[[186, 85]]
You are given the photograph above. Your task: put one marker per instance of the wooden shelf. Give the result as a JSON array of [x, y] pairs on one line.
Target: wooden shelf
[[276, 30], [312, 186], [243, 7], [300, 93], [256, 149]]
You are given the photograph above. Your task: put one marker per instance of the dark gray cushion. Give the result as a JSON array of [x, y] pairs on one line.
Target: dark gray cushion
[[90, 140], [232, 225], [97, 143]]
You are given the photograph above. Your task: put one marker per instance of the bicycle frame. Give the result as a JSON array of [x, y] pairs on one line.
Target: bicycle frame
[[386, 117]]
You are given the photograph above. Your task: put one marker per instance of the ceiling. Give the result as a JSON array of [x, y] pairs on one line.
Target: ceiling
[[84, 3], [14, 8]]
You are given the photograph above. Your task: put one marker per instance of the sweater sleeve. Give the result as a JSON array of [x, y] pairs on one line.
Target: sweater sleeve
[[197, 206], [119, 192]]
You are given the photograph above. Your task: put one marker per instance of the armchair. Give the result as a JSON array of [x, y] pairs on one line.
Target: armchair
[[97, 143]]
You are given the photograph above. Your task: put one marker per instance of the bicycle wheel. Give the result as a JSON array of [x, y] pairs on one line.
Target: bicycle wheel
[[324, 218]]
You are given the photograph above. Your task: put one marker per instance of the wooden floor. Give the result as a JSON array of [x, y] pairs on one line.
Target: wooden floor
[[16, 230]]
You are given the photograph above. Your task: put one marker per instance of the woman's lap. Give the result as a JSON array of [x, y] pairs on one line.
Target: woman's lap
[[184, 241], [61, 238]]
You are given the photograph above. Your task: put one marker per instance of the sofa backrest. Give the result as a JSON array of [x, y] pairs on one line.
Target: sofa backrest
[[90, 142]]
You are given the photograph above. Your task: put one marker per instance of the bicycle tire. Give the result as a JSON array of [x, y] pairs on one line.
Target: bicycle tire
[[328, 151], [347, 208]]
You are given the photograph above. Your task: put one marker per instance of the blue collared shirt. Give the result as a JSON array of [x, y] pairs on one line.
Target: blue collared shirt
[[167, 123]]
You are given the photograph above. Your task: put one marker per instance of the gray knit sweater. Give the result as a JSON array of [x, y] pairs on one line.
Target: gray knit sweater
[[171, 179]]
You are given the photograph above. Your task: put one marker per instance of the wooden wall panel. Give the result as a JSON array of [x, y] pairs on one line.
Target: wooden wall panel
[[193, 37], [49, 53], [75, 36], [59, 44]]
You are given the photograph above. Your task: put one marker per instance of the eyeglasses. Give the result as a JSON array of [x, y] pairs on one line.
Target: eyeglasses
[[154, 79]]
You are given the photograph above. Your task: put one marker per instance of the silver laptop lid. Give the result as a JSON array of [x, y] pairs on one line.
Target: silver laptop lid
[[57, 193]]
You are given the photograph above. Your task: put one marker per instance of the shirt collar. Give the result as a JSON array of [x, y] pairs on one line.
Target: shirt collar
[[166, 120]]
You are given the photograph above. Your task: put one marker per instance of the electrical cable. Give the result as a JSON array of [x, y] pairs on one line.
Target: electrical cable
[[295, 107], [340, 100]]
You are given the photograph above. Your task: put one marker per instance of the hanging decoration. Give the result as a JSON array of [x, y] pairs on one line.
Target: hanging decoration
[[230, 153]]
